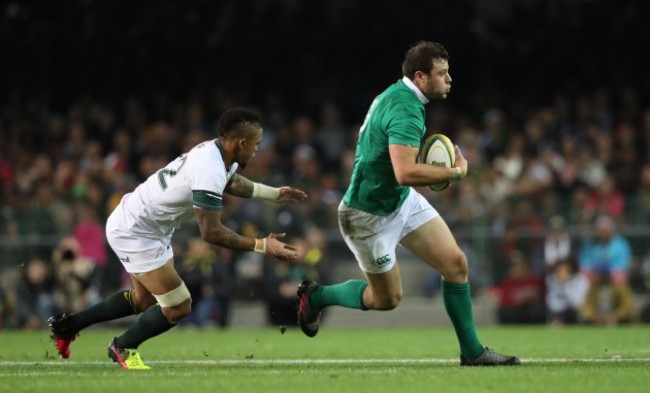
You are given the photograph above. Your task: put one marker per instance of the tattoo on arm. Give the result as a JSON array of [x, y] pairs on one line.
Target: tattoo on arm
[[240, 186], [213, 231], [225, 237], [233, 241]]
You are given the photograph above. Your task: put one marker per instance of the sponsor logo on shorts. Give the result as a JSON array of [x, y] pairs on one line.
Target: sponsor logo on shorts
[[162, 249], [383, 261], [159, 251], [125, 260]]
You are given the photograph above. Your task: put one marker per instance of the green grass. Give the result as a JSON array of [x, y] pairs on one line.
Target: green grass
[[580, 359]]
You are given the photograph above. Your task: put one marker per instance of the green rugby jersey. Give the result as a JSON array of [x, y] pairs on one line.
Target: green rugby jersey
[[396, 116]]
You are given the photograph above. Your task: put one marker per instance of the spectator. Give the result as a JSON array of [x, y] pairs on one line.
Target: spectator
[[72, 275], [590, 171], [36, 221], [507, 245], [565, 291], [89, 234], [609, 254], [639, 209], [558, 245], [206, 274], [511, 162], [34, 296], [494, 187], [521, 294], [608, 302], [606, 199], [331, 134], [530, 227], [605, 261]]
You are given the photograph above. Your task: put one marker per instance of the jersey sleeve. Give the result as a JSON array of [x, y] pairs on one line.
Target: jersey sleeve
[[405, 125], [208, 181]]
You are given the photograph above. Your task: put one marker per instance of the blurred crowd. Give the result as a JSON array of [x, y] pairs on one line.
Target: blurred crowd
[[586, 281], [559, 149]]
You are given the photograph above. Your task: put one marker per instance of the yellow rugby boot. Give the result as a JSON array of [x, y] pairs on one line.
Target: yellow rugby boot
[[127, 358]]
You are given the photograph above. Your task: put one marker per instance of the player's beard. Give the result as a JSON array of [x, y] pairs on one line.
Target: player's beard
[[438, 96]]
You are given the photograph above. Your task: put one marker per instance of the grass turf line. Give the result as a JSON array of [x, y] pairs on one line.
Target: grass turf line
[[587, 359]]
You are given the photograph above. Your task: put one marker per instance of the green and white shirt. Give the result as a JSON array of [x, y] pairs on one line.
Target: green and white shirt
[[396, 116], [166, 199]]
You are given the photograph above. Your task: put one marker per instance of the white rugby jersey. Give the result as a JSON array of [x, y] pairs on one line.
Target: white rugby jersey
[[166, 199]]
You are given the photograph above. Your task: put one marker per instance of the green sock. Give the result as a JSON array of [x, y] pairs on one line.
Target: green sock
[[348, 294], [116, 306], [458, 304], [151, 323]]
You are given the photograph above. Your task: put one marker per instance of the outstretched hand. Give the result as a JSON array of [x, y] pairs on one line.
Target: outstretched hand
[[288, 194], [278, 249]]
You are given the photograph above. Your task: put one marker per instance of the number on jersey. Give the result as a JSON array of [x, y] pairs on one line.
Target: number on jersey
[[166, 172]]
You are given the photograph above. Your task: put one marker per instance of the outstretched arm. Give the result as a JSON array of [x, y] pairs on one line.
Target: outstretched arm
[[242, 187], [214, 232]]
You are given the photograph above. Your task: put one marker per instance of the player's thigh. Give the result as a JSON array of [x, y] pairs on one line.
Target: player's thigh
[[386, 286], [434, 244], [161, 280], [142, 298]]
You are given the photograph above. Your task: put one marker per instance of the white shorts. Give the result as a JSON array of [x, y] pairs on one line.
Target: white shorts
[[372, 239], [139, 254]]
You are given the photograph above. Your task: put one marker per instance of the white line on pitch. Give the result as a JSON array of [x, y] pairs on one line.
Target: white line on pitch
[[290, 362]]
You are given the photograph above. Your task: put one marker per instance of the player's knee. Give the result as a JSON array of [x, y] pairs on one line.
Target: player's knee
[[138, 301], [176, 313], [456, 269], [389, 302], [175, 304], [142, 302]]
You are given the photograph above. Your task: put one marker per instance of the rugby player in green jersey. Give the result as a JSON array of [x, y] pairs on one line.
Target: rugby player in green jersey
[[381, 209]]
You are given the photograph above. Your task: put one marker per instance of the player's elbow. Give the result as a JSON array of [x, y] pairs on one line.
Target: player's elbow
[[402, 178], [212, 236], [208, 238], [217, 240], [213, 232]]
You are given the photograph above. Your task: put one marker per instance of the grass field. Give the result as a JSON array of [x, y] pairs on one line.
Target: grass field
[[580, 359]]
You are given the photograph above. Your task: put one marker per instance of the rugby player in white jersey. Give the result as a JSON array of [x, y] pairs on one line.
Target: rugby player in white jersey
[[140, 230]]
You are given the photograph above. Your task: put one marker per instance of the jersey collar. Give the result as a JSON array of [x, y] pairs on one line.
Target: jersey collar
[[409, 83], [223, 157]]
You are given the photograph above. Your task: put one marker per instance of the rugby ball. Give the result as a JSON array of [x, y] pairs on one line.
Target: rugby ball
[[438, 150]]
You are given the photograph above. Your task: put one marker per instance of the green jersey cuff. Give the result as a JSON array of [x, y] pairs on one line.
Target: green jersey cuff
[[207, 199]]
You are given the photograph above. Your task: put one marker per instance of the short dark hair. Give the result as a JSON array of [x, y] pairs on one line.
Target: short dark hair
[[231, 119], [421, 56]]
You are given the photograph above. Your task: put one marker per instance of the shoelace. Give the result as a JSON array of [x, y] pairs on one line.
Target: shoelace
[[490, 354]]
